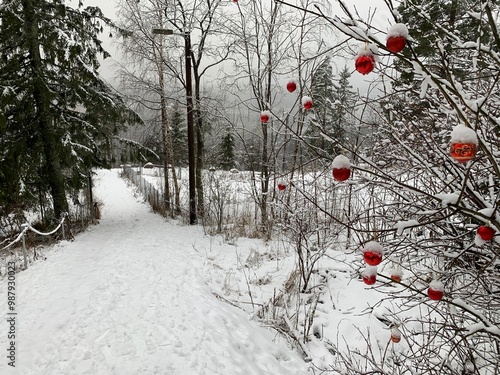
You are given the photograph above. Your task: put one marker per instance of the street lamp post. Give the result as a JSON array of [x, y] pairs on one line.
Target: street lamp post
[[190, 121]]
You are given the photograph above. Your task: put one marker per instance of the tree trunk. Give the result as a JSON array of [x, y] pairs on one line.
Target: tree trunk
[[44, 120]]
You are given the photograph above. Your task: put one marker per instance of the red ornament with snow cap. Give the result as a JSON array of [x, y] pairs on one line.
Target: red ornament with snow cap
[[281, 186], [395, 335], [341, 168], [291, 86], [369, 275], [463, 143], [307, 102], [265, 116], [396, 38], [397, 275], [372, 253], [435, 290], [365, 60]]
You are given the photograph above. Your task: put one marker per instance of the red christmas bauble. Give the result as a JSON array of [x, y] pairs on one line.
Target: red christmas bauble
[[395, 335], [264, 118], [396, 278], [291, 86], [434, 293], [486, 233], [463, 152], [395, 44], [281, 186], [308, 105], [341, 174], [373, 258], [369, 279], [365, 64]]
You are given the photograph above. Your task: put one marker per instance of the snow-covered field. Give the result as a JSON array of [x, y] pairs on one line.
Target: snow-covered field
[[129, 297]]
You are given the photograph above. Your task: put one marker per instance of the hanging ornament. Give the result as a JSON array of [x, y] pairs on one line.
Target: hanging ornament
[[365, 60], [397, 275], [486, 233], [281, 185], [395, 335], [372, 253], [291, 86], [307, 102], [435, 290], [341, 168], [265, 116], [463, 143], [369, 275], [396, 37]]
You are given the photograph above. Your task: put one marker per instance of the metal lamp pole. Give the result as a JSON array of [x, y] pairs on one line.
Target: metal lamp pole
[[190, 122]]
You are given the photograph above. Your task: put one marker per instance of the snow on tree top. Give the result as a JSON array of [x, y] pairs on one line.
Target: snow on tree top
[[463, 134], [436, 285], [340, 162], [398, 29], [306, 99], [374, 247]]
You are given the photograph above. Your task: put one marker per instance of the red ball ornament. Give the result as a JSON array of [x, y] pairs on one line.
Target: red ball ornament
[[341, 174], [291, 86], [307, 102], [341, 168], [395, 335], [372, 253], [281, 186], [369, 275], [265, 116], [435, 290], [463, 143], [397, 275], [395, 44], [486, 233], [463, 152], [365, 63]]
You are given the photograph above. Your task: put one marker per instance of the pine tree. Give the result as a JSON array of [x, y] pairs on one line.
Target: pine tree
[[54, 102], [326, 130], [226, 158]]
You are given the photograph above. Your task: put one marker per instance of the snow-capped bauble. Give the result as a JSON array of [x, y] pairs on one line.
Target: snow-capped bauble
[[463, 143], [341, 168], [486, 233], [307, 102], [265, 116], [369, 275], [281, 186], [397, 275], [396, 38], [372, 253], [395, 335], [291, 86], [365, 63], [435, 290]]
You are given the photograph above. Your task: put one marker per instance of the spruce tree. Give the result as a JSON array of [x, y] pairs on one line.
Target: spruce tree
[[179, 138], [227, 159], [57, 111]]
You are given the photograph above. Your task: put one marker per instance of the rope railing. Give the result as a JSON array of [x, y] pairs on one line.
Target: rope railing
[[25, 227]]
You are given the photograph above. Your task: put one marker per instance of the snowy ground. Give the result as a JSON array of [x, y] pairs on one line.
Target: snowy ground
[[130, 296]]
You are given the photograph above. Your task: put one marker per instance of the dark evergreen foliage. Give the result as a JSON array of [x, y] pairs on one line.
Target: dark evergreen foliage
[[59, 116]]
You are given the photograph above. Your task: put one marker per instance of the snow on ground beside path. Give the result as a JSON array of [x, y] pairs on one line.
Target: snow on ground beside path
[[127, 297]]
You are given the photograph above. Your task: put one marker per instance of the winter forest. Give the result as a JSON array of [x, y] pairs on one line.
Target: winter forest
[[331, 127]]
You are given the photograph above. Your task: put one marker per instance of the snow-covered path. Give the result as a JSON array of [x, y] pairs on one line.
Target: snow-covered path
[[126, 298]]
